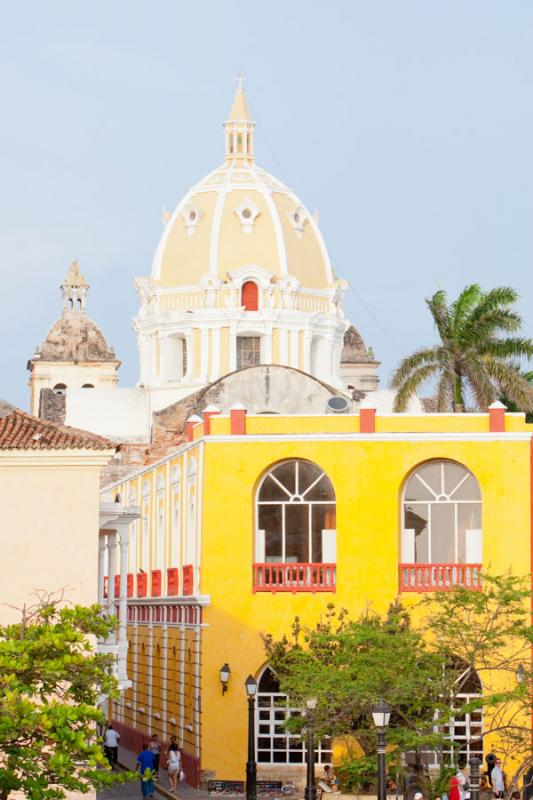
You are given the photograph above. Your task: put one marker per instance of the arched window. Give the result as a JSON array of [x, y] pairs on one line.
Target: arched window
[[274, 744], [88, 386], [60, 388], [250, 296], [296, 519], [464, 731], [441, 515]]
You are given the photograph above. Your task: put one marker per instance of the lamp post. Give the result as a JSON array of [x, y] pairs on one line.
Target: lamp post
[[251, 768], [381, 717], [475, 764], [310, 788]]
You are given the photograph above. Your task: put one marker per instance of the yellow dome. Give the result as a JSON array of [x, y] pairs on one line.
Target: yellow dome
[[241, 216]]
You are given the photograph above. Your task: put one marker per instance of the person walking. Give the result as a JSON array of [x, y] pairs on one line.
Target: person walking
[[145, 767], [498, 779], [455, 792], [111, 740], [154, 748], [173, 766]]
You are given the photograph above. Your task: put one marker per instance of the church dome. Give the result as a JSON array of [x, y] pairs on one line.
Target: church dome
[[241, 216], [75, 337]]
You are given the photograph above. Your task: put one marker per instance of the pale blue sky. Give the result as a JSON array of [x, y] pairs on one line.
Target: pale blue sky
[[409, 125]]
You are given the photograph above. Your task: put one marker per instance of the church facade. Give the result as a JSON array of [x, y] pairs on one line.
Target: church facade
[[241, 278]]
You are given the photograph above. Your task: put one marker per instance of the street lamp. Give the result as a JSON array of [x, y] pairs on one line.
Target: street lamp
[[310, 788], [250, 685], [381, 717], [520, 673], [225, 672], [475, 764]]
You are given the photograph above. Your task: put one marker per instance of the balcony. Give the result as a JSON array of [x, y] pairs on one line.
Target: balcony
[[439, 577], [294, 578]]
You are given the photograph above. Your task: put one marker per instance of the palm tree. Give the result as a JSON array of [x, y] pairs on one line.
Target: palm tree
[[475, 357]]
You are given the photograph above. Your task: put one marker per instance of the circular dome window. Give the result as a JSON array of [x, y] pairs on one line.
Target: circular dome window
[[246, 212], [192, 216]]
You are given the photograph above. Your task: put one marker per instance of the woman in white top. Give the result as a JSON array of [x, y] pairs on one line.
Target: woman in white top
[[174, 768]]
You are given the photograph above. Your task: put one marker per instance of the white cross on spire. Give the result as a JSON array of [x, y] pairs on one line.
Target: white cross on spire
[[239, 77]]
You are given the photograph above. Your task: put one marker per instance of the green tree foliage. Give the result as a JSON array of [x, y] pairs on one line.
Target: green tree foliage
[[51, 680], [490, 633], [420, 670], [348, 664], [476, 356]]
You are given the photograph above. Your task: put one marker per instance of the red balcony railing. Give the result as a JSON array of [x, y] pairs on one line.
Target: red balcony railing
[[439, 577], [295, 577]]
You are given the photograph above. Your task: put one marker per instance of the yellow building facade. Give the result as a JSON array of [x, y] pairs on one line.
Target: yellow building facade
[[259, 518]]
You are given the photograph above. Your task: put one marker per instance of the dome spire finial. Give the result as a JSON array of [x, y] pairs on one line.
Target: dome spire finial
[[74, 289], [239, 126]]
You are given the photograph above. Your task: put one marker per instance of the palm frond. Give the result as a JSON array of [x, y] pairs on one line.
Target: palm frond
[[461, 309], [426, 356], [440, 312], [511, 383], [481, 384], [413, 382], [510, 347]]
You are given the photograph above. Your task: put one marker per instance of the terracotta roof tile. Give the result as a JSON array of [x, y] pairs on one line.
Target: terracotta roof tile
[[21, 431]]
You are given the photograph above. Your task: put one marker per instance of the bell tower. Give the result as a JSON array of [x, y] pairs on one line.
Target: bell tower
[[75, 354]]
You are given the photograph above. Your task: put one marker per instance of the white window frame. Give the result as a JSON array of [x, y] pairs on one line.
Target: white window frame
[[434, 502]]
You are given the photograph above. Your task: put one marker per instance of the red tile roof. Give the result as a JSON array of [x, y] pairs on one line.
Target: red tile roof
[[21, 431]]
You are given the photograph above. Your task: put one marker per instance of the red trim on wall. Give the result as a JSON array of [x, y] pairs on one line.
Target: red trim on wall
[[207, 420], [142, 584], [367, 420], [156, 583], [173, 581], [188, 579], [238, 421], [497, 420]]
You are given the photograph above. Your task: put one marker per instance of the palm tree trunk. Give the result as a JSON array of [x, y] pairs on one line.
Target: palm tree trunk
[[458, 401]]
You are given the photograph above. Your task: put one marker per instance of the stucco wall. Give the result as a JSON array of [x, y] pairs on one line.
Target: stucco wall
[[49, 525]]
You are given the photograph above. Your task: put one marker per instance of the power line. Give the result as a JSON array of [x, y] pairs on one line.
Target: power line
[[365, 305]]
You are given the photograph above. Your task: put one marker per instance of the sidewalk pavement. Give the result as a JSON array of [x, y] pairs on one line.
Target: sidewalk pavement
[[127, 759]]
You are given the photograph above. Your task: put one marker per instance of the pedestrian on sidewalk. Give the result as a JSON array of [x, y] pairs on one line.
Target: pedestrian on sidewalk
[[145, 767], [173, 766], [154, 748], [111, 740]]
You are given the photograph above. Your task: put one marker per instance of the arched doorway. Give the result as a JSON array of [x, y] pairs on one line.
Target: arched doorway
[[274, 744]]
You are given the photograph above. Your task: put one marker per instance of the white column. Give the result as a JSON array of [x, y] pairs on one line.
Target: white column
[[135, 644], [196, 690], [308, 338], [164, 644], [204, 354], [294, 343], [150, 678], [267, 347], [284, 347], [182, 685], [123, 530], [232, 349], [215, 354], [101, 567], [111, 570]]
